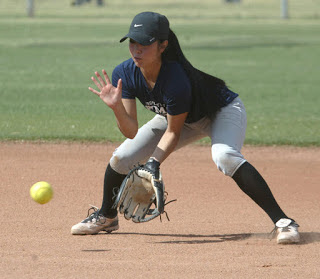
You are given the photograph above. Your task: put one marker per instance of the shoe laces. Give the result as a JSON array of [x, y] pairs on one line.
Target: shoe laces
[[292, 226], [94, 215]]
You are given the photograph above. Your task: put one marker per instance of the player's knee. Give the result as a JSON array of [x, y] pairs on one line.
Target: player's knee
[[119, 163], [227, 159]]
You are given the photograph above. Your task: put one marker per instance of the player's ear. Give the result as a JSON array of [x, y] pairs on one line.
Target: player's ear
[[163, 45]]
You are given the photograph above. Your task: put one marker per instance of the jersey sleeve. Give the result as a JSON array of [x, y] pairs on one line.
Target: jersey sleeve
[[120, 73]]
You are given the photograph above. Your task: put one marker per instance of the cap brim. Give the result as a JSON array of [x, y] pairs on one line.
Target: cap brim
[[124, 38], [142, 40]]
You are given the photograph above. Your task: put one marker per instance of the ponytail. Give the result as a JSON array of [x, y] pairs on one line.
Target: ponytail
[[205, 87], [173, 52]]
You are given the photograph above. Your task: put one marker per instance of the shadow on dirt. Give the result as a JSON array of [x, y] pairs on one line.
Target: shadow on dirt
[[95, 250], [306, 237], [193, 238], [309, 237]]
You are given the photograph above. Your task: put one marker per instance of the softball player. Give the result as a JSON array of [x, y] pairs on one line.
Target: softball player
[[189, 105]]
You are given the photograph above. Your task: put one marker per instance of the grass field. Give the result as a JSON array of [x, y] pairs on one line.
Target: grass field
[[46, 63]]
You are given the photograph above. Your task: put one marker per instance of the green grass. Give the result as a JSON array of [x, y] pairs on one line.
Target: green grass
[[46, 63]]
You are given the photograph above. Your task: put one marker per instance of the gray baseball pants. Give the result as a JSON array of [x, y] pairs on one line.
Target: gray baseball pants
[[226, 130]]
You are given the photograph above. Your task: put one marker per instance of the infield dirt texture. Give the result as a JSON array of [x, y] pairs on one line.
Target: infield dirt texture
[[215, 230]]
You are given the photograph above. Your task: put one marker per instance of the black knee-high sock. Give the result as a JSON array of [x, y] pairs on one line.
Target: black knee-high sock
[[112, 183], [251, 182]]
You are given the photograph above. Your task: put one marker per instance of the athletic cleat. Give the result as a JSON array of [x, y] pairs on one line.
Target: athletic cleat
[[287, 231], [94, 223]]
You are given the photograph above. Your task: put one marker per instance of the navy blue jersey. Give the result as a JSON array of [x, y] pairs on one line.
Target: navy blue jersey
[[172, 93]]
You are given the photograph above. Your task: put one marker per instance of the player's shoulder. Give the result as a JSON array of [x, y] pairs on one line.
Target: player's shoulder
[[127, 65], [173, 66], [175, 74], [124, 70]]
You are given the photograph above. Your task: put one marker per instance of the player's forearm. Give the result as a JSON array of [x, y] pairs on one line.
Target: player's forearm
[[126, 124], [166, 146]]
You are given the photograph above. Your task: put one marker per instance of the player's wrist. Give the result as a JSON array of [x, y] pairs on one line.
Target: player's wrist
[[154, 159], [153, 165]]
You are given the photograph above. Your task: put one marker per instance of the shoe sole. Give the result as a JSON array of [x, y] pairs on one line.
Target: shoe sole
[[288, 241], [113, 227]]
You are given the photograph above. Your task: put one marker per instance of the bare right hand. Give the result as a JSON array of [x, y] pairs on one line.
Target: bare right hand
[[109, 94]]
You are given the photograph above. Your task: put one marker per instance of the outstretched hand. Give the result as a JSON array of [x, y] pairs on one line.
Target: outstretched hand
[[109, 94]]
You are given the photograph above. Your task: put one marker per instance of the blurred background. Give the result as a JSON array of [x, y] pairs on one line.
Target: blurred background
[[267, 51]]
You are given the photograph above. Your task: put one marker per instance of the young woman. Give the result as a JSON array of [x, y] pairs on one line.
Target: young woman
[[189, 105]]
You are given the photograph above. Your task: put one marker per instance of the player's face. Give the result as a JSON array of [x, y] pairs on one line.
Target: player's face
[[145, 56]]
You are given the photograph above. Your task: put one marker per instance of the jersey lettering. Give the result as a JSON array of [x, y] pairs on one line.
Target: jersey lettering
[[156, 107]]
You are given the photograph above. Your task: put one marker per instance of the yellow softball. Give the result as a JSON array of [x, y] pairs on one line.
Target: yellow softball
[[41, 192]]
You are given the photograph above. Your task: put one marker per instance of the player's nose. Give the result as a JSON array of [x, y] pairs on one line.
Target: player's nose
[[137, 48]]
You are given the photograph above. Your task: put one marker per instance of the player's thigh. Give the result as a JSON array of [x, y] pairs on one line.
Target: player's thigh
[[140, 148], [193, 132], [229, 125], [227, 137]]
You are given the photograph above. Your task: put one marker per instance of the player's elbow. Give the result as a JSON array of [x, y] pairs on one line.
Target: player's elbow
[[130, 134], [129, 131]]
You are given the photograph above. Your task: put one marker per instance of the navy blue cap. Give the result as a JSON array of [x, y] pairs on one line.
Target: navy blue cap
[[148, 27]]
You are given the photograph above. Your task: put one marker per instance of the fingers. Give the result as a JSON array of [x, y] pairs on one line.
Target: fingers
[[101, 82], [119, 86], [94, 91], [106, 76], [100, 79], [96, 83]]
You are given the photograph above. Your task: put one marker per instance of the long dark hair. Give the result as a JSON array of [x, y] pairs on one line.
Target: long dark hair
[[205, 87]]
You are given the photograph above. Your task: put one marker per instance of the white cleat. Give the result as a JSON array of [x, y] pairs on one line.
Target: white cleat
[[287, 231], [95, 223]]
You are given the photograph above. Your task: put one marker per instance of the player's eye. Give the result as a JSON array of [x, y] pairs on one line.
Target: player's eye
[[132, 41]]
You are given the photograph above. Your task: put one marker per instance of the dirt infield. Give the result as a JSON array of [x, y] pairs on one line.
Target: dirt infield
[[215, 231]]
